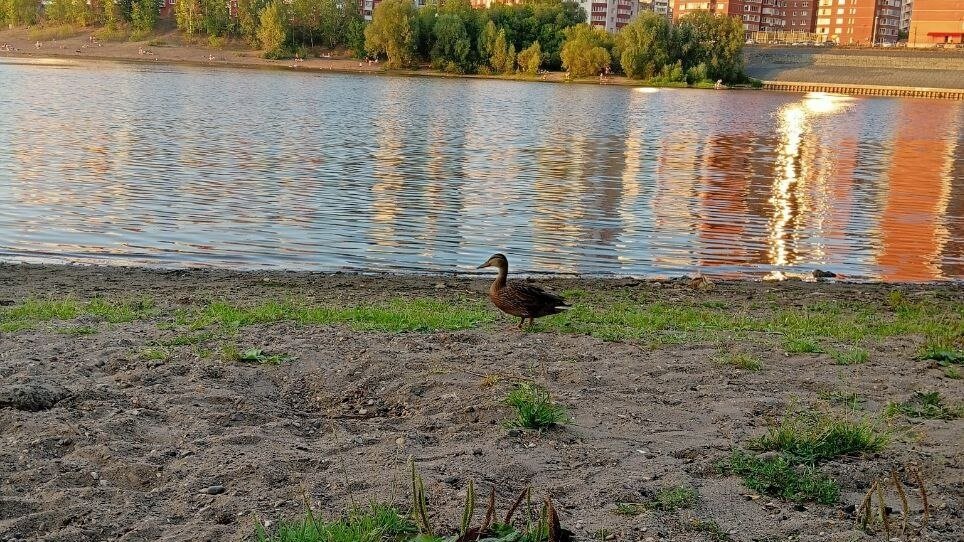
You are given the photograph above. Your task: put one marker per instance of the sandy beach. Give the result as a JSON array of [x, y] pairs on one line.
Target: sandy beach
[[122, 401]]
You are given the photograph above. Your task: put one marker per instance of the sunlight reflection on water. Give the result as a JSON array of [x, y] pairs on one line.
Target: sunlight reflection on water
[[172, 166]]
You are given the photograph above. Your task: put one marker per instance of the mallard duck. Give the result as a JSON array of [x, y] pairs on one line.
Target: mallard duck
[[518, 298]]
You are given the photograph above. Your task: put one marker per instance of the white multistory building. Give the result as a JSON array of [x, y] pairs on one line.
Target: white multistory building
[[906, 9], [610, 14]]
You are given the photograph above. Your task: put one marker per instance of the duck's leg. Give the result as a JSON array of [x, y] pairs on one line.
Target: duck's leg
[[522, 322]]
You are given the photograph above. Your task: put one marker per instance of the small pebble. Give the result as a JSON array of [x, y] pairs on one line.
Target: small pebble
[[212, 490], [400, 441]]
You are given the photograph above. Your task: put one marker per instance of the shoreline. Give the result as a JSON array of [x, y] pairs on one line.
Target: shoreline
[[123, 399], [806, 278], [194, 55]]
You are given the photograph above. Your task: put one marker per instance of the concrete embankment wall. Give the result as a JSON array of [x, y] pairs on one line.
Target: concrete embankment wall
[[927, 69]]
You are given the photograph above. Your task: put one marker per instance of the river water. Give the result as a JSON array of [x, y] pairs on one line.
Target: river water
[[174, 166]]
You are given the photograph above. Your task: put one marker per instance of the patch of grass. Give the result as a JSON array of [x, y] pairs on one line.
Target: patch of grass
[[943, 354], [42, 310], [619, 315], [120, 312], [378, 523], [45, 310], [928, 405], [187, 340], [667, 500], [778, 477], [673, 498], [139, 35], [952, 372], [812, 437], [77, 330], [850, 356], [741, 360], [112, 34], [534, 408], [708, 527], [397, 315], [801, 345], [56, 32], [851, 400], [257, 355], [156, 354], [12, 327]]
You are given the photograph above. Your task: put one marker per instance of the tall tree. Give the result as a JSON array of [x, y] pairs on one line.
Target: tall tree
[[393, 32], [58, 11], [144, 15], [21, 12], [189, 15], [715, 41], [273, 28], [111, 13], [530, 59], [586, 50], [643, 45], [503, 54], [486, 41], [249, 11], [216, 18], [352, 29], [427, 15], [453, 47]]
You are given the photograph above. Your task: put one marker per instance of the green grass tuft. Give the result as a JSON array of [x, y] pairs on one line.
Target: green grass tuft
[[673, 498], [943, 354], [851, 356], [17, 325], [851, 400], [742, 360], [928, 405], [188, 340], [256, 355], [778, 477], [811, 438], [78, 330], [378, 523], [801, 345], [156, 354], [534, 408], [709, 527], [952, 372]]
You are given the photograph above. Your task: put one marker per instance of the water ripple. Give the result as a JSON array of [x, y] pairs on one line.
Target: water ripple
[[173, 166]]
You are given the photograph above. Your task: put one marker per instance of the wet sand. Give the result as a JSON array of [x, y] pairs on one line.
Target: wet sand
[[119, 447]]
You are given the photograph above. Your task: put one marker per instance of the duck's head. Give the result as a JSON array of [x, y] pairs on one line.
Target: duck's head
[[496, 260]]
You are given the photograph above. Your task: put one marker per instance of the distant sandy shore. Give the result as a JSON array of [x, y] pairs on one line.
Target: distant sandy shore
[[169, 48]]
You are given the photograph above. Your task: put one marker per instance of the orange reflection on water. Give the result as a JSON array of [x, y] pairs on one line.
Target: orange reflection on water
[[912, 237]]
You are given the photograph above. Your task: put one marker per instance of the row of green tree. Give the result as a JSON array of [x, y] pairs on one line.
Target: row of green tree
[[451, 35], [140, 14], [551, 34]]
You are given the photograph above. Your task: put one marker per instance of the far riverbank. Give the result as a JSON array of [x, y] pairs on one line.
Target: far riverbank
[[799, 65]]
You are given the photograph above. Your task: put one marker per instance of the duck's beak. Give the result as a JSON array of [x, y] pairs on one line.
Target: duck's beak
[[486, 264]]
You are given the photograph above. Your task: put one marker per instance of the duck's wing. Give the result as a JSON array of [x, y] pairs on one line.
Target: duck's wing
[[532, 294]]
